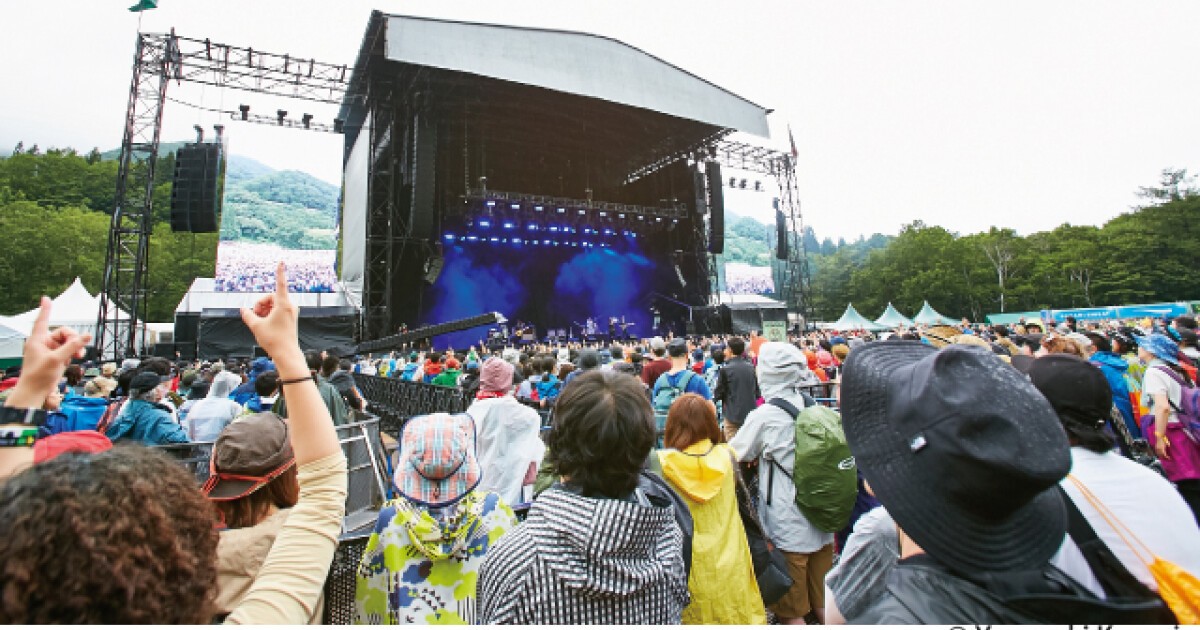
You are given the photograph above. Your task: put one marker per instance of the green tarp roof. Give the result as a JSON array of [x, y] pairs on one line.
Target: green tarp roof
[[892, 318], [930, 317], [851, 320]]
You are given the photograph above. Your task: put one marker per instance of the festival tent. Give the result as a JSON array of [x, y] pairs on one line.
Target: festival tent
[[892, 318], [851, 320], [930, 317], [74, 307], [12, 346]]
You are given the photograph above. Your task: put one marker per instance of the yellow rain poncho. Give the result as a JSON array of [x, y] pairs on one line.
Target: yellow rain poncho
[[722, 583]]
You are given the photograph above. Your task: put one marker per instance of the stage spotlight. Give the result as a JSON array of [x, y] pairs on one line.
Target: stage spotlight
[[484, 223], [562, 210], [495, 239], [508, 225], [449, 237], [582, 212], [491, 203], [280, 115], [307, 121], [535, 242], [621, 216], [514, 206], [658, 219], [553, 228], [472, 238], [516, 241], [538, 208], [245, 109], [533, 227], [633, 234], [603, 214]]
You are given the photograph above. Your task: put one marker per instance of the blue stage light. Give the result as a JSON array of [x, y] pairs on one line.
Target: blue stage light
[[533, 227], [508, 225], [495, 239], [535, 242], [449, 237], [582, 212], [609, 232], [538, 208], [472, 238], [491, 203], [516, 241], [553, 228], [485, 224], [603, 214], [633, 234], [514, 206]]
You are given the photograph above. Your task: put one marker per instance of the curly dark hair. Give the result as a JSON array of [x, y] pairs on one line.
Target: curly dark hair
[[120, 537], [603, 431]]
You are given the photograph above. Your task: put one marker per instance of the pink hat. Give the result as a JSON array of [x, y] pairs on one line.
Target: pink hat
[[825, 359], [496, 376]]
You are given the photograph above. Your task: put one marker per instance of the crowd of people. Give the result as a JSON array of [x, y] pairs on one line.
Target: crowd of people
[[977, 474], [244, 267]]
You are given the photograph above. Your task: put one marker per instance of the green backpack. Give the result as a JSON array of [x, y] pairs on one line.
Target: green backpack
[[824, 474]]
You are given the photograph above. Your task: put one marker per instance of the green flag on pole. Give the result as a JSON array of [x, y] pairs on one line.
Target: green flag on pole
[[144, 5]]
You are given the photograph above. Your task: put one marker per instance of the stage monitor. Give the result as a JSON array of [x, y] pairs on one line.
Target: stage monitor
[[279, 207]]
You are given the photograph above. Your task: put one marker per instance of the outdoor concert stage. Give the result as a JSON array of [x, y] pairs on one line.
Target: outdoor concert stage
[[550, 176]]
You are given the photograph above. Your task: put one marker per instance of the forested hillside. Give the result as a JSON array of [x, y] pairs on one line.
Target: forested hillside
[[55, 206]]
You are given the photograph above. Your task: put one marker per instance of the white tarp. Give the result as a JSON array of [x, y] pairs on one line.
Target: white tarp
[[74, 307], [12, 342]]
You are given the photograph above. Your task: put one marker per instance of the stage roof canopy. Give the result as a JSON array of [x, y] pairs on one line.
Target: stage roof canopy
[[564, 61]]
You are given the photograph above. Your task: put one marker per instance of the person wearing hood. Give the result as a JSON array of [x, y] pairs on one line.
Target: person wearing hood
[[700, 468], [142, 419], [449, 376], [245, 392], [422, 561], [207, 418], [1114, 369], [507, 432], [769, 434], [598, 546]]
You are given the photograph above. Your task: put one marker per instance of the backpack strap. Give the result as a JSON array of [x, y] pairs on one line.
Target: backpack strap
[[683, 381], [786, 406], [1108, 569], [1175, 377]]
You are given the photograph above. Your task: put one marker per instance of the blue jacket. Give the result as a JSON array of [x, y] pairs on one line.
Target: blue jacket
[[1114, 368], [146, 423], [77, 413]]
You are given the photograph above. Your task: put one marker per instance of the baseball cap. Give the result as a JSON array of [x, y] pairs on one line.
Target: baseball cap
[[657, 343], [250, 453], [677, 348], [145, 382]]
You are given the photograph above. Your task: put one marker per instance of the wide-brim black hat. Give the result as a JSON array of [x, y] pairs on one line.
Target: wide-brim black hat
[[961, 449]]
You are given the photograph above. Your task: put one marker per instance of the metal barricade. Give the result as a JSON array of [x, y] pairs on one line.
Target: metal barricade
[[340, 582], [367, 486], [395, 401]]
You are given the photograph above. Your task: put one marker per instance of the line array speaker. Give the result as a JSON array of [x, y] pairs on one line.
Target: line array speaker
[[781, 235], [716, 205], [195, 193]]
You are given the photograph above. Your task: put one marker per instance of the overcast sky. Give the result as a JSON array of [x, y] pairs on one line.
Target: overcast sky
[[1023, 114]]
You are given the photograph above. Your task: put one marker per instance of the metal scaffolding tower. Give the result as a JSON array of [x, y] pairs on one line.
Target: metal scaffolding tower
[[158, 59]]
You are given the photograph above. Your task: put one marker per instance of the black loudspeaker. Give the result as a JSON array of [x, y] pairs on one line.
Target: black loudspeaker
[[716, 205], [701, 197], [195, 193], [424, 167], [781, 235]]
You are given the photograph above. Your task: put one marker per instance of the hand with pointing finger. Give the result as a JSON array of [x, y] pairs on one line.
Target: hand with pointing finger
[[46, 357], [274, 319]]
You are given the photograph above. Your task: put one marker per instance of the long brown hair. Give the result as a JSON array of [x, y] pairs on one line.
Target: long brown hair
[[691, 419], [248, 511]]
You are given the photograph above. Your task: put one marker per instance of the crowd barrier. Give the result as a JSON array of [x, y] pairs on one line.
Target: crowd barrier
[[368, 485], [395, 401]]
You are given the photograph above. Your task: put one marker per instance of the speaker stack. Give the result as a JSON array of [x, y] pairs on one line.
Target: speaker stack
[[195, 194]]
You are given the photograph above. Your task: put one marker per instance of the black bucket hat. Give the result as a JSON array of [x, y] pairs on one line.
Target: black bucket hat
[[961, 449]]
